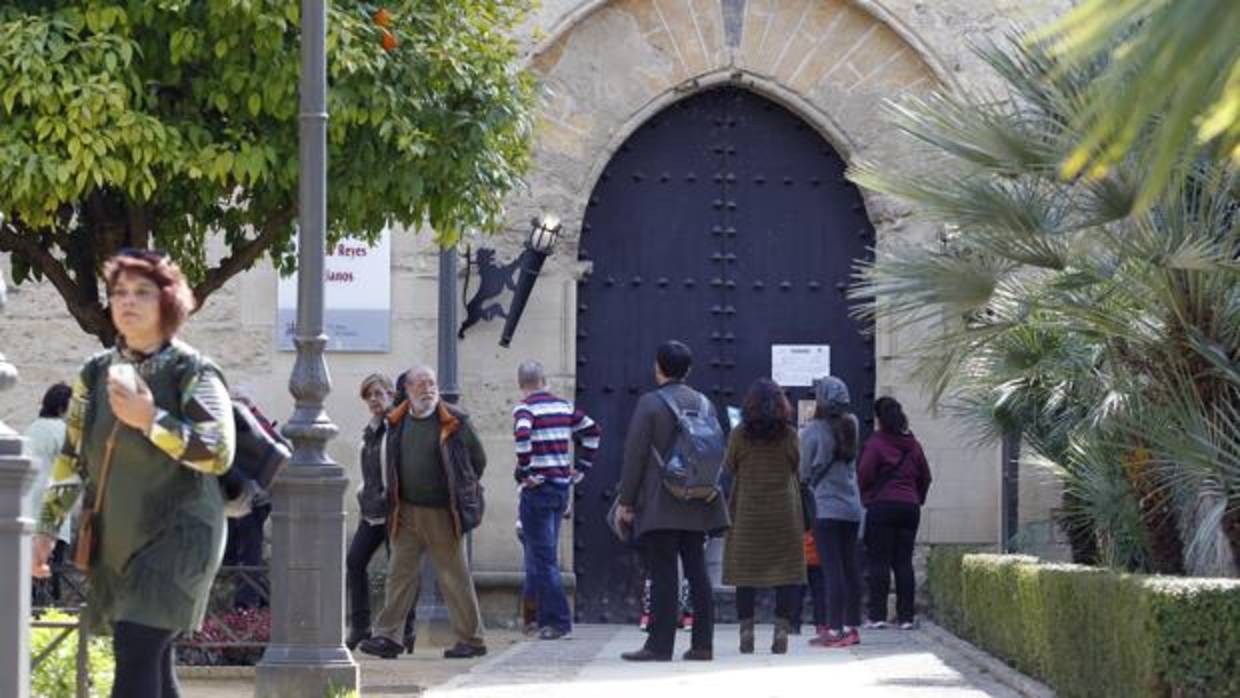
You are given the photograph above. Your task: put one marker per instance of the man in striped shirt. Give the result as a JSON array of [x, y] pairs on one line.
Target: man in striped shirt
[[545, 429]]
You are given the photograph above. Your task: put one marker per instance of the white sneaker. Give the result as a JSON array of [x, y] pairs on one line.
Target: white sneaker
[[908, 626], [875, 625]]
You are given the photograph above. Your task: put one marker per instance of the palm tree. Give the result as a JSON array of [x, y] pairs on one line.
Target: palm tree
[[1108, 333], [1172, 89]]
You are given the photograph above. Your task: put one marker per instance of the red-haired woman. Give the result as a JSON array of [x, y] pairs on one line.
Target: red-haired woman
[[149, 430], [764, 548]]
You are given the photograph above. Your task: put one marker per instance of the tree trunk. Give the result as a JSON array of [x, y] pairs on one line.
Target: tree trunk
[[1158, 515], [1080, 536]]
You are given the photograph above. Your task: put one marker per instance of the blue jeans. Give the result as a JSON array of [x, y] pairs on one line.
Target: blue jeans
[[542, 509]]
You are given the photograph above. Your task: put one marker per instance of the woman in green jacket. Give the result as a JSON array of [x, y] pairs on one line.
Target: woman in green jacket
[[149, 430]]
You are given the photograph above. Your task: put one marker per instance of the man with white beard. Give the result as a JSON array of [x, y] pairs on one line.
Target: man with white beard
[[434, 467]]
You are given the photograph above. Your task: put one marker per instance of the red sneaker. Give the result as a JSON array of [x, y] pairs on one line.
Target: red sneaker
[[833, 639], [643, 623]]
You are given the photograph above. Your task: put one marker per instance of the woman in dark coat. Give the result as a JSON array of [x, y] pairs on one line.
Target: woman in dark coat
[[764, 548], [158, 412]]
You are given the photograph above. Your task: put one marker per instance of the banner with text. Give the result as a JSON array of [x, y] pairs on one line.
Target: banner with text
[[357, 298]]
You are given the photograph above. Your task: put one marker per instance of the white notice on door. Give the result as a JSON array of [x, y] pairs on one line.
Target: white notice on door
[[797, 365]]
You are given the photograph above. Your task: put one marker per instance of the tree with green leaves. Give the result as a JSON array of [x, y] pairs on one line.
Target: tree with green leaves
[[167, 123], [1171, 91], [1106, 333]]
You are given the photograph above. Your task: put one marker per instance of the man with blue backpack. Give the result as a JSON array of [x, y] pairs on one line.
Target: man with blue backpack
[[671, 500]]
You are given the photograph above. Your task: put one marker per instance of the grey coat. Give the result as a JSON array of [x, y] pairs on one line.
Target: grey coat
[[641, 486], [836, 495]]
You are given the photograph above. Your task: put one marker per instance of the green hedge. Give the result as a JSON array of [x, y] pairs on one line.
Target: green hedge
[[1092, 632], [943, 580]]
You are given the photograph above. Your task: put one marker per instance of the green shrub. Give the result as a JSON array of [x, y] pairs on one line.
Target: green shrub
[[1197, 644], [1092, 632], [989, 585], [943, 576], [56, 676], [1096, 636]]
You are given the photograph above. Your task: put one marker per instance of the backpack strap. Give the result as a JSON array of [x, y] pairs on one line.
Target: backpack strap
[[671, 405]]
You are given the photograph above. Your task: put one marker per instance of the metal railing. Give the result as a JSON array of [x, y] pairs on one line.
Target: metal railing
[[238, 623], [66, 630], [235, 631]]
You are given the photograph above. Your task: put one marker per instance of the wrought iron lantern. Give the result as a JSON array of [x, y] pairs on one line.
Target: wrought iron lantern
[[494, 279]]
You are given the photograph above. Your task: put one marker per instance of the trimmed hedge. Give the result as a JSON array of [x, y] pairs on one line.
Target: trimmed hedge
[[944, 568], [1093, 632]]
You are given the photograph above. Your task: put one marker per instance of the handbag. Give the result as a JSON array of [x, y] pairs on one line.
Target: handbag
[[88, 527]]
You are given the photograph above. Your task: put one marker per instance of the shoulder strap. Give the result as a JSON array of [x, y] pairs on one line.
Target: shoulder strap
[[671, 404], [889, 474], [96, 505]]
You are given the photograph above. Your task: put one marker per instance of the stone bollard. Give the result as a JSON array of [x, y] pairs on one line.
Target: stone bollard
[[16, 524]]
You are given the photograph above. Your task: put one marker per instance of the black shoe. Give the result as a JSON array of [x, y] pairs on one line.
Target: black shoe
[[463, 651], [356, 635], [410, 639], [698, 655], [645, 655], [380, 647]]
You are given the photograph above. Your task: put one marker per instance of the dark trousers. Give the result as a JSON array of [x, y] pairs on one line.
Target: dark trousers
[[541, 510], [144, 662], [46, 592], [245, 548], [837, 549], [785, 601], [890, 532], [661, 550], [367, 540], [816, 587]]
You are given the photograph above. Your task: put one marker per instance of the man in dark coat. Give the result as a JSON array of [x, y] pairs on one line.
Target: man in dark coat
[[666, 527]]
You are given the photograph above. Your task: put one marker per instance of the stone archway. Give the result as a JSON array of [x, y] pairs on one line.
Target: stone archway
[[611, 65]]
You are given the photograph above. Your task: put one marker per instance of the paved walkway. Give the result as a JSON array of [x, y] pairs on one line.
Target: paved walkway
[[888, 663]]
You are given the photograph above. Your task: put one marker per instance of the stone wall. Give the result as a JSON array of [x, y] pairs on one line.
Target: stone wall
[[604, 68]]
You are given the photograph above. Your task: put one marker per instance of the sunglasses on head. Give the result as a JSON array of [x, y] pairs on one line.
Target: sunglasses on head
[[141, 253]]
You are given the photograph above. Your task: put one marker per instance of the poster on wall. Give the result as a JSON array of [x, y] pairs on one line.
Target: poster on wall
[[357, 298], [797, 365]]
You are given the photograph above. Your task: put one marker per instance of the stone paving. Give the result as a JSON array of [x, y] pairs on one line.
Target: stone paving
[[888, 663]]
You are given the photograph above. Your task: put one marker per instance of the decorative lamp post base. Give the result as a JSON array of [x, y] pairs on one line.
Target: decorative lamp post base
[[307, 652]]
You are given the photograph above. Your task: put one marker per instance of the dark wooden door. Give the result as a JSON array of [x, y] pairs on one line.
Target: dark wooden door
[[725, 222]]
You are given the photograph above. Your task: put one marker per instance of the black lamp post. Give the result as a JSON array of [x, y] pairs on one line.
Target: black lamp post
[[545, 232]]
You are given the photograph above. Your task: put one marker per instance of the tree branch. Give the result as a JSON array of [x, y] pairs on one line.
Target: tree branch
[[244, 256], [90, 315]]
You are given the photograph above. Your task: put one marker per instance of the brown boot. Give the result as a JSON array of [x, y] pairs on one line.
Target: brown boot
[[747, 636], [779, 642]]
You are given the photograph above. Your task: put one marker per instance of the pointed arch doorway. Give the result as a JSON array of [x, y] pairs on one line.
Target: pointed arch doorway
[[724, 221]]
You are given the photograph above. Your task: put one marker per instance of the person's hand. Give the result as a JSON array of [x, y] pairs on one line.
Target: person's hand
[[133, 408], [41, 552], [625, 514]]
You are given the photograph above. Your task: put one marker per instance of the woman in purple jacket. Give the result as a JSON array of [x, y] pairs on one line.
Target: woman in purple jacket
[[893, 477]]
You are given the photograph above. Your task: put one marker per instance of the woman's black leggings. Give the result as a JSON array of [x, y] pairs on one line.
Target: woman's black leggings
[[145, 667]]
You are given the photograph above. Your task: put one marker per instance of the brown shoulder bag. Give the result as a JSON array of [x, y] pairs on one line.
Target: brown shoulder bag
[[88, 527]]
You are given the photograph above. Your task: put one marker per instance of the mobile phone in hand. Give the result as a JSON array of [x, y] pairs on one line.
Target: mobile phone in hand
[[126, 375]]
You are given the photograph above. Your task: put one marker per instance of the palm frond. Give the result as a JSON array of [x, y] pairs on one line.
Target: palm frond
[[1173, 68]]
